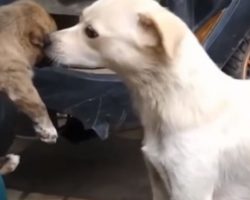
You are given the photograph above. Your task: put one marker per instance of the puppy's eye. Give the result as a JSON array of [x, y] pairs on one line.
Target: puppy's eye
[[91, 32]]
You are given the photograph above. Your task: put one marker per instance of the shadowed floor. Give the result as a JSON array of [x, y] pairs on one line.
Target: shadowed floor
[[100, 170]]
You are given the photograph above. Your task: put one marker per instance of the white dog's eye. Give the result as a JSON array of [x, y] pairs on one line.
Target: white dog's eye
[[91, 32]]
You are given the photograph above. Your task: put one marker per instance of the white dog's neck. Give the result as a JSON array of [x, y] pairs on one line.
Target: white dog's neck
[[191, 84]]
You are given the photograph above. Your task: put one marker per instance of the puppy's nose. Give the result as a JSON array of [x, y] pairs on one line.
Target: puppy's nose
[[47, 41]]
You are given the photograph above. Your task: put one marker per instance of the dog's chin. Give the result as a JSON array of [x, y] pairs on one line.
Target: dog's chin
[[62, 60]]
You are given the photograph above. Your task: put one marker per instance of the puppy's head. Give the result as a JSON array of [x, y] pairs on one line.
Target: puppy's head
[[125, 35], [30, 24]]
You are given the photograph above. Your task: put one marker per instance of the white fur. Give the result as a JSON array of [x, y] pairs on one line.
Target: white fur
[[196, 119], [47, 132], [11, 164]]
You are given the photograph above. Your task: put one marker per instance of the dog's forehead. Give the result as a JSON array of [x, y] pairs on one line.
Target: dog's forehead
[[112, 9], [38, 15], [117, 10], [106, 9]]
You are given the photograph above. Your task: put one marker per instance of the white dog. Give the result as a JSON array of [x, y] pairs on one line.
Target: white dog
[[196, 119]]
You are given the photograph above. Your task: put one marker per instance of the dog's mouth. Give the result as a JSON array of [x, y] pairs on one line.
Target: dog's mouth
[[86, 69], [50, 62], [77, 67]]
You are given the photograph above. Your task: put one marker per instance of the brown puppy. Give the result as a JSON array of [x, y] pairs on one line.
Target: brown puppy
[[24, 26]]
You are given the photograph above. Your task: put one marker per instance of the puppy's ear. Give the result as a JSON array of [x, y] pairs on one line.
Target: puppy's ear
[[36, 38], [164, 31]]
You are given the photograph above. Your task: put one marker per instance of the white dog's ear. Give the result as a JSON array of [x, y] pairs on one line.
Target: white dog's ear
[[150, 30], [163, 30]]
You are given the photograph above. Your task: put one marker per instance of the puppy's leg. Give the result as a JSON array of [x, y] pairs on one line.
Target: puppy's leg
[[22, 92], [8, 163], [159, 190]]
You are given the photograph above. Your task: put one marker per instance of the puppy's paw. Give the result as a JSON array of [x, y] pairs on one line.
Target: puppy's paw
[[11, 162], [47, 134]]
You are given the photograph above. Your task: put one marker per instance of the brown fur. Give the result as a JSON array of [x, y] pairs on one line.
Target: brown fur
[[23, 28]]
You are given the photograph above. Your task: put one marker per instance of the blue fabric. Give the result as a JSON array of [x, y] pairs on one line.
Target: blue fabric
[[2, 2], [2, 190]]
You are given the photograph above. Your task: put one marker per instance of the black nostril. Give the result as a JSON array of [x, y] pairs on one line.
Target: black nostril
[[47, 41]]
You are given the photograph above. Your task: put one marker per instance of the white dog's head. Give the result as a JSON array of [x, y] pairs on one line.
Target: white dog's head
[[128, 35]]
